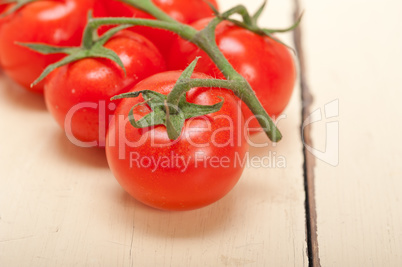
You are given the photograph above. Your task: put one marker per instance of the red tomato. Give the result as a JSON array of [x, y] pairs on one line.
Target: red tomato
[[185, 11], [266, 64], [78, 94], [193, 171], [51, 22], [2, 9]]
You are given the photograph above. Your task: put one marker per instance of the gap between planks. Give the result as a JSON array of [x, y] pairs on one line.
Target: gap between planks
[[309, 160]]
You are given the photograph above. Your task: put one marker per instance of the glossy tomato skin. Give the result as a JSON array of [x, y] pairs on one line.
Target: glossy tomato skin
[[3, 7], [266, 64], [78, 94], [133, 154], [185, 11], [54, 22]]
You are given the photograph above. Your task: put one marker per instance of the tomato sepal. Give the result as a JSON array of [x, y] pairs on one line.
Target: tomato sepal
[[171, 110], [91, 47], [251, 22], [213, 8], [259, 11], [161, 112], [18, 4]]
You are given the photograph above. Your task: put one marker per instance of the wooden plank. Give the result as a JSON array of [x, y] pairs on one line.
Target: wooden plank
[[61, 206], [354, 56]]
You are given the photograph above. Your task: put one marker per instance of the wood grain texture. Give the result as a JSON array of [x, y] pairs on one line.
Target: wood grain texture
[[61, 206], [354, 56]]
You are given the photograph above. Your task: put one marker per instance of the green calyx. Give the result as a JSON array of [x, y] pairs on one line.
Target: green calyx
[[171, 110], [251, 22], [18, 4], [92, 47]]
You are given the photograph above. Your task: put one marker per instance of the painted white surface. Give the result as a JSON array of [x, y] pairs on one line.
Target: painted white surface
[[354, 55]]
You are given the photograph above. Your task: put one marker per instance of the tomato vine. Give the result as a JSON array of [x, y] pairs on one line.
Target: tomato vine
[[205, 39]]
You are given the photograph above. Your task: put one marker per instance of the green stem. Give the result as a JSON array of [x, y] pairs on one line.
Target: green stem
[[184, 31], [235, 82], [89, 33], [149, 7], [242, 11], [202, 38], [205, 39], [247, 96]]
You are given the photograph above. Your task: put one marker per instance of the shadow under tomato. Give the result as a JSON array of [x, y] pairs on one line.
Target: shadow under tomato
[[80, 156], [20, 97], [260, 144], [232, 210], [178, 224]]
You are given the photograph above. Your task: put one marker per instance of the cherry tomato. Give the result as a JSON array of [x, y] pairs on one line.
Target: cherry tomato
[[193, 171], [78, 94], [185, 11], [266, 64], [51, 22], [3, 8]]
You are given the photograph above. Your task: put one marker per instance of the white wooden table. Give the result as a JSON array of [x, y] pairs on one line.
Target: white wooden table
[[61, 206]]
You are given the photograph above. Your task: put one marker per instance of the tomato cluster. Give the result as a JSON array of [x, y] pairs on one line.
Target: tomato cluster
[[202, 165]]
